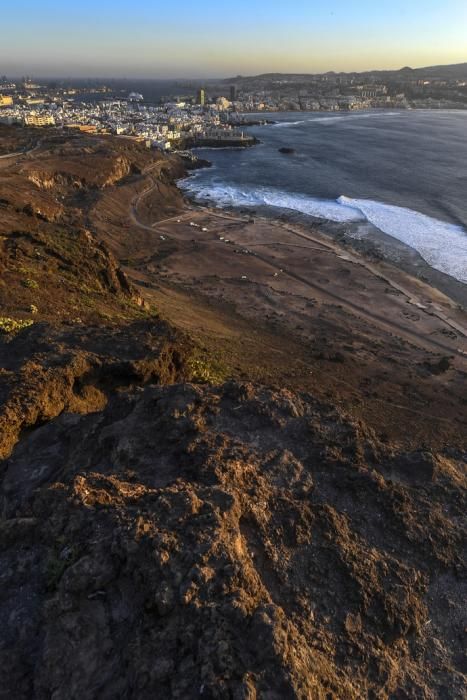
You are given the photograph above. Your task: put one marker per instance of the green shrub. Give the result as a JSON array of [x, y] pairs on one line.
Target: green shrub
[[30, 284], [204, 370], [13, 325]]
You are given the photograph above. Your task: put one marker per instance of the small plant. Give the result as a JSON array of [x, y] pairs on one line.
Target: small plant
[[33, 309], [203, 370], [13, 325], [30, 284]]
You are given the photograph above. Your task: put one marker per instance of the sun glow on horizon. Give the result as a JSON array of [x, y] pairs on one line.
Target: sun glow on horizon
[[146, 39]]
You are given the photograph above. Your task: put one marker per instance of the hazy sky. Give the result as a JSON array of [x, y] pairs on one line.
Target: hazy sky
[[203, 38]]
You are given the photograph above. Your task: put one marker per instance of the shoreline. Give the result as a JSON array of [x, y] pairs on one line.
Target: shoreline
[[363, 237], [372, 242], [378, 245], [463, 107], [247, 234], [407, 261], [287, 300]]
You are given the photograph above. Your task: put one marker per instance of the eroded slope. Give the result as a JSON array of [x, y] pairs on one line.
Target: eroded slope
[[232, 542]]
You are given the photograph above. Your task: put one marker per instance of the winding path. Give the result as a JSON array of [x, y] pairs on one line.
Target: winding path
[[17, 154]]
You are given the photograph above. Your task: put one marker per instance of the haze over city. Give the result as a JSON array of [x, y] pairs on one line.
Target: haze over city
[[116, 38]]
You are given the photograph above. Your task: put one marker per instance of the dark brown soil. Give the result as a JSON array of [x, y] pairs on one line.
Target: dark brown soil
[[191, 541]]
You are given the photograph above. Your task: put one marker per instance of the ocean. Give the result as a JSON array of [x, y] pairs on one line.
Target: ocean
[[403, 172]]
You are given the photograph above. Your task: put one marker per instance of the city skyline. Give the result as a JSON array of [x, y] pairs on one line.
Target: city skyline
[[150, 40]]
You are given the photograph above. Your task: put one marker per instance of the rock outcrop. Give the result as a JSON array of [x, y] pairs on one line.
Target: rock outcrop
[[189, 541]]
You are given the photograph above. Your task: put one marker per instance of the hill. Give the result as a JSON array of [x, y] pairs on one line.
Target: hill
[[198, 501], [453, 71]]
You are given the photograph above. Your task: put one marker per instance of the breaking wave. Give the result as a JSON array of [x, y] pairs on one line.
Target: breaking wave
[[335, 118], [281, 125], [441, 244], [234, 196]]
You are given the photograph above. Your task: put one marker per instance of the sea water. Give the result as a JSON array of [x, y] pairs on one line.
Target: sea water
[[404, 172]]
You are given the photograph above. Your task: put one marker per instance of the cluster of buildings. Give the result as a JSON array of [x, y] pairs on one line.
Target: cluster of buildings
[[214, 115], [264, 101], [406, 88], [281, 95], [175, 123]]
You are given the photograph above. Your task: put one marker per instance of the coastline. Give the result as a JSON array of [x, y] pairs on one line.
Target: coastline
[[292, 300], [362, 238], [212, 250], [374, 244], [403, 108], [410, 237]]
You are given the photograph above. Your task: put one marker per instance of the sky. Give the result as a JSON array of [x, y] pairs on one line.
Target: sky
[[215, 38]]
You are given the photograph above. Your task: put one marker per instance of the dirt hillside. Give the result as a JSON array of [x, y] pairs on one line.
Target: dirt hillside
[[187, 512]]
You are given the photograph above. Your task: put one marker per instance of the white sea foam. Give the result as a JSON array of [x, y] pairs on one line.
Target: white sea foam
[[321, 120], [442, 245], [348, 117], [234, 196], [335, 118], [280, 125]]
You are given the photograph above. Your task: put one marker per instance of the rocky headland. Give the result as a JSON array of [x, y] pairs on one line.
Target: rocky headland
[[222, 476]]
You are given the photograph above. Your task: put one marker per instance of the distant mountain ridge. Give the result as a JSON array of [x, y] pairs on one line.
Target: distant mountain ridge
[[453, 71]]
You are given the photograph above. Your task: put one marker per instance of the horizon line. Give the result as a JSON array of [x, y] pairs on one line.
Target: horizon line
[[231, 77]]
